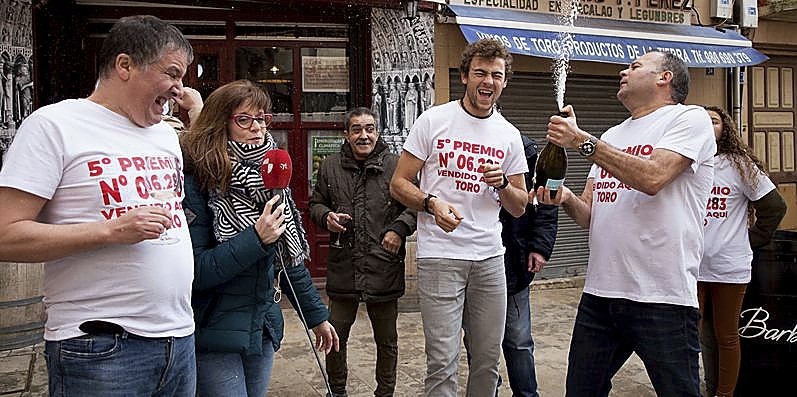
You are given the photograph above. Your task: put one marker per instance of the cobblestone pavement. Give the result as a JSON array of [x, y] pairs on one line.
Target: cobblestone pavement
[[553, 312], [23, 371]]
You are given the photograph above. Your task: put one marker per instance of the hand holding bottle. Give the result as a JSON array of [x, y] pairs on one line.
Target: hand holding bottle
[[547, 196], [564, 131], [551, 167]]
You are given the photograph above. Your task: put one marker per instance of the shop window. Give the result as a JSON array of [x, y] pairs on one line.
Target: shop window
[[207, 74], [290, 31], [272, 69], [325, 84], [202, 29], [281, 138], [99, 27], [207, 67], [321, 144]]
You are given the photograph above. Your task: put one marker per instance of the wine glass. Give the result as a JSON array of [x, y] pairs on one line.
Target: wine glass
[[165, 185], [343, 221]]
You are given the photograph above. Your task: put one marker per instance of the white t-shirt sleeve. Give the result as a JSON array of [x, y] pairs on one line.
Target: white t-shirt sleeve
[[515, 162], [34, 163], [418, 140], [763, 186], [684, 135]]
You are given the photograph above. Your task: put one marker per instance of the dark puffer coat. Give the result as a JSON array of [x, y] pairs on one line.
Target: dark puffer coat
[[534, 231], [362, 269], [233, 297]]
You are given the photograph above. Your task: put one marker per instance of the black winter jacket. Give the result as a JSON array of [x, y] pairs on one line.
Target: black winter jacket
[[362, 269], [233, 297], [534, 231]]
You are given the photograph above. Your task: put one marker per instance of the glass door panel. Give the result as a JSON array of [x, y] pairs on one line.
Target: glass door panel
[[272, 69], [205, 73], [325, 84], [281, 138], [322, 144]]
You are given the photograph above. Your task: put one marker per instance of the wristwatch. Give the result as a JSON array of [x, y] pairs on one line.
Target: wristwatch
[[426, 208], [587, 148], [504, 184]]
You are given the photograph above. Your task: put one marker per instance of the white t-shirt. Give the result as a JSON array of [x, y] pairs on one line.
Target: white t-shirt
[[88, 162], [648, 248], [452, 144], [727, 254]]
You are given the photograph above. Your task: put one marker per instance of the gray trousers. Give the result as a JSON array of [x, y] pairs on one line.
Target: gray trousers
[[456, 295]]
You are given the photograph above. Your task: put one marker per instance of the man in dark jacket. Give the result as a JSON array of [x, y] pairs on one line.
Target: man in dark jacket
[[529, 242], [352, 200]]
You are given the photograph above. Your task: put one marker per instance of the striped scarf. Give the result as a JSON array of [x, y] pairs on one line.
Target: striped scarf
[[246, 197]]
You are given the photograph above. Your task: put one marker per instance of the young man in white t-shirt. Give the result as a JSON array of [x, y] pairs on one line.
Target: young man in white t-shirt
[[76, 194], [643, 203], [471, 163]]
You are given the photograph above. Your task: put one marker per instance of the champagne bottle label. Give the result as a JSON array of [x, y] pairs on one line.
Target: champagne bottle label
[[553, 184]]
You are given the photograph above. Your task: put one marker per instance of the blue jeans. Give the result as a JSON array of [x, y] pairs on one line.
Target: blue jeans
[[518, 346], [121, 364], [608, 330], [235, 374]]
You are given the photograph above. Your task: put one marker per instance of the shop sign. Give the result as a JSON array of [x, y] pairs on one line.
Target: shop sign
[[656, 11], [620, 50], [756, 325], [325, 74], [322, 146]]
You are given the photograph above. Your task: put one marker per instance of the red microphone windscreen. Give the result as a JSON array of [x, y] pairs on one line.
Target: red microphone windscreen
[[276, 169]]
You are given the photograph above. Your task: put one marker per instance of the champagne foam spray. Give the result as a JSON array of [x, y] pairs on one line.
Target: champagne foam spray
[[561, 66]]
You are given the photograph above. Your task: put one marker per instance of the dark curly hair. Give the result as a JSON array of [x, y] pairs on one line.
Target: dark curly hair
[[741, 156], [488, 49]]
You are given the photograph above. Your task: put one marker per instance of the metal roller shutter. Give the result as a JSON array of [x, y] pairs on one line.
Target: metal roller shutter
[[528, 102]]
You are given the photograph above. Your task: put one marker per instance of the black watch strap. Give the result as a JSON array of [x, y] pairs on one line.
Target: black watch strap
[[588, 147], [426, 209], [504, 184]]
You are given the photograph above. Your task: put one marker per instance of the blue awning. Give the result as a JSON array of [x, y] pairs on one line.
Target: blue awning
[[605, 40]]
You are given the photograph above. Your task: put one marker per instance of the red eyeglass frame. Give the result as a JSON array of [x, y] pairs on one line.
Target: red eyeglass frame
[[267, 117]]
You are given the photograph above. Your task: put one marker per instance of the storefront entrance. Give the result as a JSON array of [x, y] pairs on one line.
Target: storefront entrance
[[309, 88], [311, 60]]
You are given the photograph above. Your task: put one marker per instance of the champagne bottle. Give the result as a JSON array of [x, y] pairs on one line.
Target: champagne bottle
[[551, 167]]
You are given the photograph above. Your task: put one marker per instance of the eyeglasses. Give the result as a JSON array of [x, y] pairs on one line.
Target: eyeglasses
[[245, 121], [357, 129]]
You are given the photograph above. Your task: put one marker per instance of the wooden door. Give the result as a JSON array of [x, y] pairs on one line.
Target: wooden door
[[772, 117]]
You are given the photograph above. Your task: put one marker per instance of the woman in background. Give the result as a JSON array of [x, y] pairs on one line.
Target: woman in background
[[240, 246], [743, 211]]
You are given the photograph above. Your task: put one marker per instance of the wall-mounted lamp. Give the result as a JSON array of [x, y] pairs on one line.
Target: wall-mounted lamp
[[410, 9]]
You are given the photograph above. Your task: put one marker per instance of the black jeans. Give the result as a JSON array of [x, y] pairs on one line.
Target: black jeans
[[383, 315]]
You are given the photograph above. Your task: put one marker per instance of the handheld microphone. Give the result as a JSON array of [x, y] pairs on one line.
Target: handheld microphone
[[276, 171]]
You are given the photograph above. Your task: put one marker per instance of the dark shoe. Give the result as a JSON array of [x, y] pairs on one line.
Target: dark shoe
[[344, 394]]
